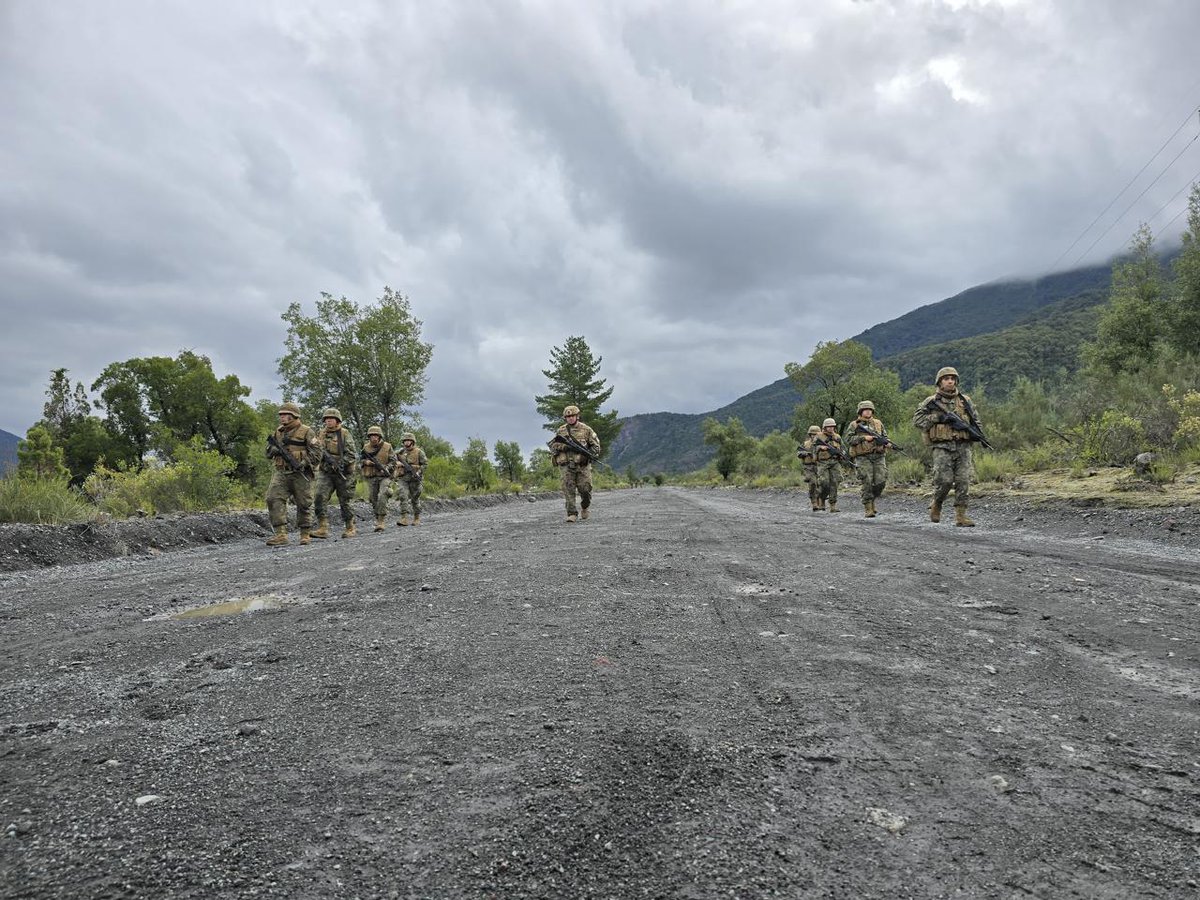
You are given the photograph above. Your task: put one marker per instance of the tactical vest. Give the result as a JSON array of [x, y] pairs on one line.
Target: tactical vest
[[296, 442], [413, 458], [863, 448], [821, 448], [376, 466], [581, 434], [806, 453], [941, 432]]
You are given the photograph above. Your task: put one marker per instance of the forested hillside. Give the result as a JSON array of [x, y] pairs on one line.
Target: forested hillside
[[8, 451]]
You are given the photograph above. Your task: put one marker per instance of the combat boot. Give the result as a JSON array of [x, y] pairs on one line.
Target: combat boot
[[305, 536], [416, 520], [570, 517], [833, 506], [821, 505], [379, 526], [935, 511], [960, 518], [350, 530], [816, 506], [869, 509], [583, 513], [403, 521], [322, 531], [279, 538]]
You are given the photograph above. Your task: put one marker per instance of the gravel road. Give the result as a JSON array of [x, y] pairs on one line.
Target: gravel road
[[696, 694]]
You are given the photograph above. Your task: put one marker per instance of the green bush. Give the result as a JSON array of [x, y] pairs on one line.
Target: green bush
[[197, 481], [440, 474], [42, 501], [995, 465], [1112, 439], [905, 470], [1046, 455]]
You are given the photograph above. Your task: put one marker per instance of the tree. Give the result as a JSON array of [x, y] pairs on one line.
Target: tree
[[477, 472], [369, 361], [1134, 320], [731, 440], [509, 463], [541, 465], [835, 378], [39, 457], [1183, 321], [573, 381], [67, 416]]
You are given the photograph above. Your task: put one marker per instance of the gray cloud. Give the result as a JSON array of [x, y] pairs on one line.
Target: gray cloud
[[703, 192]]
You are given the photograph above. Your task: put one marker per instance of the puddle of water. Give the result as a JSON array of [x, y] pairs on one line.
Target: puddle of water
[[233, 607]]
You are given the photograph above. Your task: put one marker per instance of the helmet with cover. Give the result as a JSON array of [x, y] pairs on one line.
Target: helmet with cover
[[332, 413], [829, 423], [374, 429], [290, 409], [571, 410], [944, 371], [408, 436]]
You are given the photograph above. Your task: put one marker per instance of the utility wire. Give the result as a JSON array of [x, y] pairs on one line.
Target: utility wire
[[1190, 182], [1113, 201], [1113, 223]]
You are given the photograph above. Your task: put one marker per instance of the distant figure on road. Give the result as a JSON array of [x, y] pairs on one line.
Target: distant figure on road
[[336, 474], [868, 454], [941, 418], [574, 446], [376, 466], [294, 450], [809, 461], [827, 448], [410, 472]]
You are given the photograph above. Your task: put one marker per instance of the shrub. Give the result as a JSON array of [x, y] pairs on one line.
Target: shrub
[[995, 465], [1113, 439], [1043, 456], [659, 478], [197, 481], [905, 470], [42, 501]]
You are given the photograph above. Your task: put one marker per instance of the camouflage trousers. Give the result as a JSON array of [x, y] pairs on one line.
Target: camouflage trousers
[[810, 478], [289, 484], [345, 494], [408, 495], [952, 468], [377, 494], [577, 478], [872, 472], [829, 476]]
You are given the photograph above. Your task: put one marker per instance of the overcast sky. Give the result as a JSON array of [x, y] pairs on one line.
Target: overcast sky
[[703, 190]]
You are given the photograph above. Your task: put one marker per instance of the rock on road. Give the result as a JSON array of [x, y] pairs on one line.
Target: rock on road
[[695, 694]]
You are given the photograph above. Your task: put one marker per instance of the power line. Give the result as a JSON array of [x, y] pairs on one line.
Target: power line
[[1189, 183], [1113, 201], [1136, 199]]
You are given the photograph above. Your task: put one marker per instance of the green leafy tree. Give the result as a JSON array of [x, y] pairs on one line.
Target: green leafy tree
[[732, 441], [541, 465], [368, 361], [573, 381], [67, 415], [833, 381], [509, 463], [1135, 319], [477, 472], [39, 457], [1183, 320]]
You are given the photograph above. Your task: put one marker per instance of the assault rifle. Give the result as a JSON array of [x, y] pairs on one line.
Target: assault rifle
[[366, 457], [288, 460], [404, 464], [879, 436], [573, 444], [834, 450], [955, 421], [336, 472]]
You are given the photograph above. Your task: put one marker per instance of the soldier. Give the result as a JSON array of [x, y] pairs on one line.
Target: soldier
[[410, 470], [809, 461], [952, 464], [827, 448], [294, 450], [868, 454], [376, 459], [576, 466], [336, 473]]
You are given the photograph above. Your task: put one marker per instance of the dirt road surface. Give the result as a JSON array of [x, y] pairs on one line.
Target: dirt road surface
[[696, 694]]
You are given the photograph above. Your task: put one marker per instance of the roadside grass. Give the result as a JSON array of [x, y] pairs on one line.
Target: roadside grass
[[43, 501]]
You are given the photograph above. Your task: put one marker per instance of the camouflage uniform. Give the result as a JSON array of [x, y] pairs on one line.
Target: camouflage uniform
[[576, 467], [869, 457], [809, 462], [300, 442], [829, 467], [339, 444], [952, 465], [410, 481], [376, 467]]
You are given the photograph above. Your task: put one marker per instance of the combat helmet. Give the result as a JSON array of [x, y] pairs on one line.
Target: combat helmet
[[943, 372], [331, 413], [571, 410], [408, 436], [866, 404], [290, 408], [374, 429], [814, 429], [829, 422]]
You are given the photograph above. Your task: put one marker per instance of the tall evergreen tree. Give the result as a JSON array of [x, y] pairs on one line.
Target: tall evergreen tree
[[1183, 322], [1136, 317], [39, 457], [573, 381]]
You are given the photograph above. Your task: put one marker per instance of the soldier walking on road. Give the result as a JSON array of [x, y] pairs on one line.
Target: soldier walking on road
[[336, 474], [827, 448], [952, 463], [376, 458], [809, 461], [576, 465], [294, 450], [869, 455], [410, 472]]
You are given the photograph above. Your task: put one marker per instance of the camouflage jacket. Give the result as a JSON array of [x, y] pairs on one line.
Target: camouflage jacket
[[805, 454], [376, 462], [581, 433], [933, 429], [301, 443], [821, 444], [339, 443], [857, 441], [416, 458]]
